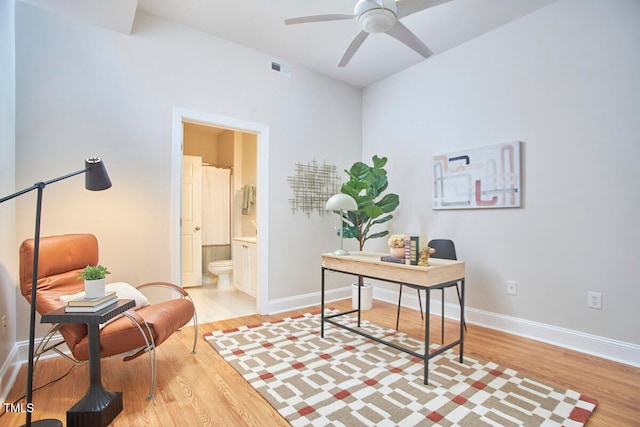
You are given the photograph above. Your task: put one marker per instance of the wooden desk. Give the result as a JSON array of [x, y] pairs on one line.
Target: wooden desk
[[441, 274], [99, 406]]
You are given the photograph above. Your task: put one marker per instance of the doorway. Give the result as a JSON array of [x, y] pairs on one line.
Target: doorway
[[222, 148]]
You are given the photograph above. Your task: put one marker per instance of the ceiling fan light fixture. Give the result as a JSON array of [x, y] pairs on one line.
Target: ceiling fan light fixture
[[377, 20], [376, 16]]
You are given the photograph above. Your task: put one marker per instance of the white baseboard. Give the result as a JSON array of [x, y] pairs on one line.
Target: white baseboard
[[618, 351], [307, 300], [8, 373], [23, 348], [18, 356], [607, 348]]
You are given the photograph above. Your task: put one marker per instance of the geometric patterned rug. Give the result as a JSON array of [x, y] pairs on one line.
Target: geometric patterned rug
[[344, 379]]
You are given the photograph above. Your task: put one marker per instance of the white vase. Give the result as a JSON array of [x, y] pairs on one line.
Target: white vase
[[94, 288], [366, 293]]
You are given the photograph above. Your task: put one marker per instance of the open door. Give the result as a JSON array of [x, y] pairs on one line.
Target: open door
[[191, 221]]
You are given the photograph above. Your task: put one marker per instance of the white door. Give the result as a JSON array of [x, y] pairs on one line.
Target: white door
[[191, 221]]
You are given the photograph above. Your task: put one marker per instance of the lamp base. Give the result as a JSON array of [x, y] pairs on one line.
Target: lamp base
[[50, 422], [341, 252]]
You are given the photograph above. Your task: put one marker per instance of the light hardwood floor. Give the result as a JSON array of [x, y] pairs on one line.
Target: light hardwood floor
[[203, 390]]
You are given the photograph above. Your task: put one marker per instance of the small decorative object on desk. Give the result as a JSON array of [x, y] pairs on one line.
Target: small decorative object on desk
[[94, 280], [91, 305], [424, 256], [397, 245]]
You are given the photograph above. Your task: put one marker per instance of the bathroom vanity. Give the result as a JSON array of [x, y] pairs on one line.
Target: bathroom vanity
[[244, 252]]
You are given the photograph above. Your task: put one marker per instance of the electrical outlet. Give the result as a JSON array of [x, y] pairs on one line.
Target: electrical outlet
[[512, 287], [594, 300]]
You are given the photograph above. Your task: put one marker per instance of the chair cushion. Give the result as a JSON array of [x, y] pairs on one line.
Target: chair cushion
[[61, 260], [122, 335]]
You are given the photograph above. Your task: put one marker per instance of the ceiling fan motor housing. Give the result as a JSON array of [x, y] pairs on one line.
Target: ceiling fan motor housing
[[376, 16]]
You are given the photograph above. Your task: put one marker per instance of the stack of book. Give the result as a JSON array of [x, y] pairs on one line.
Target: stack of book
[[413, 246], [91, 305]]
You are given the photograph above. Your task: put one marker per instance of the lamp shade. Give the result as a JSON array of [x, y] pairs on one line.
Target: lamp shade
[[341, 201], [96, 177]]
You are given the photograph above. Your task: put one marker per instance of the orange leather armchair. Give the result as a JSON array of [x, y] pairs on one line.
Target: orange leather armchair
[[61, 259]]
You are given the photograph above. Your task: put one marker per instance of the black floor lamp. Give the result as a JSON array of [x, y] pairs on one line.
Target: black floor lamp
[[96, 179]]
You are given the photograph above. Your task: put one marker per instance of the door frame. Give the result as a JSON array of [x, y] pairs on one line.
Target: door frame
[[262, 212]]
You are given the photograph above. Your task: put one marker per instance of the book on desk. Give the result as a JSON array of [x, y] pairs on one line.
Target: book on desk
[[91, 305], [389, 258]]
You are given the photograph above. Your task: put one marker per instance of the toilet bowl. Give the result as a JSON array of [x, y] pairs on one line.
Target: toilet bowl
[[222, 269]]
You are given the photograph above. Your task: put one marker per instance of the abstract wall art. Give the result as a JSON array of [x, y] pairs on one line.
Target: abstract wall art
[[484, 177], [312, 185]]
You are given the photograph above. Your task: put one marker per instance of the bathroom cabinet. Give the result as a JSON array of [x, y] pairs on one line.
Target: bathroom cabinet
[[245, 266]]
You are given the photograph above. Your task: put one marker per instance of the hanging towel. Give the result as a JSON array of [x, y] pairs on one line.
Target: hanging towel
[[216, 223], [248, 197]]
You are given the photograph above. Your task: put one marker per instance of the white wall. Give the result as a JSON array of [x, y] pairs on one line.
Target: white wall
[[565, 81], [562, 80], [83, 90], [8, 248]]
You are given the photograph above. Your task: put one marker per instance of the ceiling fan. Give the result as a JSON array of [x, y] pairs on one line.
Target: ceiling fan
[[378, 16]]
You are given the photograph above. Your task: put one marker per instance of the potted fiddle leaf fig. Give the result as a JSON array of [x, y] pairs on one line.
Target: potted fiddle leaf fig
[[94, 280], [366, 185]]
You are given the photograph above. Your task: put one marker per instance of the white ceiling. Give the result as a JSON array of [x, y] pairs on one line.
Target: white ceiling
[[259, 24]]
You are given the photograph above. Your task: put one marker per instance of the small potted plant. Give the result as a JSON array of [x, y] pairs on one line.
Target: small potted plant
[[94, 280], [396, 244]]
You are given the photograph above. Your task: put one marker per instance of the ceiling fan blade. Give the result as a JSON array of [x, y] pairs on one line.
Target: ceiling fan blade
[[353, 47], [408, 7], [317, 18], [404, 35]]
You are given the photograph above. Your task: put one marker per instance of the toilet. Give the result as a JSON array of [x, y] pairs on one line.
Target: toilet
[[222, 269]]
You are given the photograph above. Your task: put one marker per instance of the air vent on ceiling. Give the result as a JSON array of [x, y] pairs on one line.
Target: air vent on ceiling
[[280, 68]]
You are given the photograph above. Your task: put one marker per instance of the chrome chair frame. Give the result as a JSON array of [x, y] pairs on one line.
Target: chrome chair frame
[[149, 346]]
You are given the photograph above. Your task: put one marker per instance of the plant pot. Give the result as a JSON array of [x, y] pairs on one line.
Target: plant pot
[[397, 252], [94, 288], [366, 293]]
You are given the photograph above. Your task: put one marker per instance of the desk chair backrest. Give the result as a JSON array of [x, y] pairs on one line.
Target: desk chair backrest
[[445, 249]]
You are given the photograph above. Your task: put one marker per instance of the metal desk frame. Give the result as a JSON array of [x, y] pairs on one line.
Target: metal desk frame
[[359, 263]]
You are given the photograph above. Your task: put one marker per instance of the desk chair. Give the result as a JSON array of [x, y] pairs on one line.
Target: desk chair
[[445, 249]]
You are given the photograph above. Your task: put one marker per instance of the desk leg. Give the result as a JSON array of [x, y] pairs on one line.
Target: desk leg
[[427, 325], [462, 323], [99, 406], [322, 306]]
